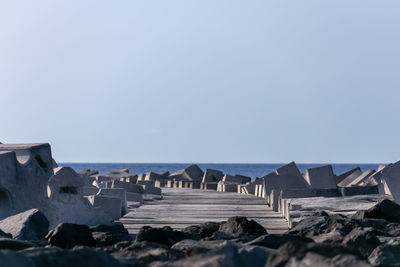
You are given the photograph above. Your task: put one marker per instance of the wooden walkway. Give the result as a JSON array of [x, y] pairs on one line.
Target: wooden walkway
[[184, 207]]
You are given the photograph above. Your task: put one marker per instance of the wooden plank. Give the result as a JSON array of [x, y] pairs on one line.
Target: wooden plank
[[181, 208]]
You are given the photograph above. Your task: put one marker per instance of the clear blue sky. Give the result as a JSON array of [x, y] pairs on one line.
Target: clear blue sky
[[202, 81]]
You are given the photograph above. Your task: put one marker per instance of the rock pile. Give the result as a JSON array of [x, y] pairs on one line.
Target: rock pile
[[368, 238]]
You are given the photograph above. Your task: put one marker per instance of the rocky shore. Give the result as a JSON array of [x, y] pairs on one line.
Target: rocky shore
[[368, 238], [54, 216]]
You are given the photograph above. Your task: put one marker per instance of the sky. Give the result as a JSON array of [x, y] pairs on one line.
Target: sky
[[202, 81]]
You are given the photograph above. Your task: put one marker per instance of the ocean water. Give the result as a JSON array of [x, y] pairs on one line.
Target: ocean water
[[251, 170]]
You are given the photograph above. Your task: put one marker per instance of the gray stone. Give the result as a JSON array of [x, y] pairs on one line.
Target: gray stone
[[320, 177], [28, 225], [88, 172], [212, 176]]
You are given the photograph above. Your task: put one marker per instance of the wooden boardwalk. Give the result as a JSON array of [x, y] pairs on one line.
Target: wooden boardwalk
[[184, 207]]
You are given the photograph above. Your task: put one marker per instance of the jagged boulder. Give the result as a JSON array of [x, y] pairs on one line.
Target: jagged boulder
[[241, 226], [68, 235], [165, 235], [110, 234], [29, 225], [385, 209]]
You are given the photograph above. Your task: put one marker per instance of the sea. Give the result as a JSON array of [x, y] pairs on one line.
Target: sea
[[251, 170]]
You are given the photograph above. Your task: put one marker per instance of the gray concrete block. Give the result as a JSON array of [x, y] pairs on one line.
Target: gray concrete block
[[110, 205], [191, 173], [116, 192], [129, 187], [354, 172], [359, 190], [134, 197], [320, 177], [212, 176], [237, 179], [391, 180]]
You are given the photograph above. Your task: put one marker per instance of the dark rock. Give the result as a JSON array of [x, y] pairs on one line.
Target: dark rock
[[221, 236], [313, 259], [276, 240], [80, 257], [254, 256], [11, 258], [28, 225], [308, 226], [12, 244], [203, 230], [225, 256], [362, 240], [143, 253], [194, 247], [385, 255], [299, 250], [386, 209], [110, 234], [165, 235], [68, 235], [240, 225]]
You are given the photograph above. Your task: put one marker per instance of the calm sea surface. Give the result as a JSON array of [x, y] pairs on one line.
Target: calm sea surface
[[252, 170]]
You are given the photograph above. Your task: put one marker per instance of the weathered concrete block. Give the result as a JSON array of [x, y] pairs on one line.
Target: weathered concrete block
[[391, 180], [212, 176], [250, 188], [146, 183], [116, 192], [88, 172], [352, 173], [196, 185], [170, 184], [320, 177], [64, 182], [307, 193], [289, 170], [129, 187], [209, 186], [111, 206], [223, 187], [160, 183], [24, 171], [359, 190], [134, 197], [90, 191], [152, 190], [191, 173], [152, 176], [237, 179], [360, 179], [276, 181]]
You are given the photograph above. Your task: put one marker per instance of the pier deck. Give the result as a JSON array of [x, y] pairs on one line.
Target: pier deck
[[184, 207]]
